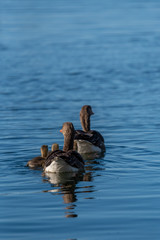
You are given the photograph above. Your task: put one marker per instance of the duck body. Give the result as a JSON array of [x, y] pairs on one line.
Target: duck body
[[87, 140], [66, 160], [61, 161], [62, 178], [36, 162], [39, 161]]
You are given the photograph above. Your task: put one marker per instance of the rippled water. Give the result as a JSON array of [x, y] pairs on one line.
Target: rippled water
[[56, 56]]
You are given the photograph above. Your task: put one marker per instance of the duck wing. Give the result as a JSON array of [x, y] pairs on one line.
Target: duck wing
[[96, 137], [51, 156], [77, 155], [36, 162], [79, 134], [91, 136], [71, 157]]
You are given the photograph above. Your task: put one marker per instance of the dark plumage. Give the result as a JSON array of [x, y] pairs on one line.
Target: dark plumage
[[88, 135], [66, 159], [71, 157], [91, 136]]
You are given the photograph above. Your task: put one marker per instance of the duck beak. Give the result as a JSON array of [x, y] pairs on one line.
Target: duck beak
[[61, 130]]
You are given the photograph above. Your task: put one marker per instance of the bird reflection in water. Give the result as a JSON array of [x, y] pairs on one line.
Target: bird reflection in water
[[92, 156], [93, 161], [65, 184]]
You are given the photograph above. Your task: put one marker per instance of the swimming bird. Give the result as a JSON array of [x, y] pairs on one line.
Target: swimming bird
[[55, 146], [65, 160], [39, 161], [87, 140]]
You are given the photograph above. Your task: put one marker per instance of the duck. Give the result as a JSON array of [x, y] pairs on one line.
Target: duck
[[39, 160], [87, 140], [66, 160], [55, 146]]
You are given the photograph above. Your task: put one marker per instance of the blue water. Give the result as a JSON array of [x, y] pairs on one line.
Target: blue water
[[56, 56]]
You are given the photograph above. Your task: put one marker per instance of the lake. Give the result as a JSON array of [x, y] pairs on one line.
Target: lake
[[55, 57]]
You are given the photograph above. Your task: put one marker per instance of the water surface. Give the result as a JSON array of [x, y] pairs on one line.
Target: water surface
[[56, 56]]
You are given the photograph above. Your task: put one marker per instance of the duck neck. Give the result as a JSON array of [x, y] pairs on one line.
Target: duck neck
[[55, 147], [44, 153], [68, 142], [85, 122]]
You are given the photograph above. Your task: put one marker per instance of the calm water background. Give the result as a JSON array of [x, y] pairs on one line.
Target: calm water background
[[56, 56]]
